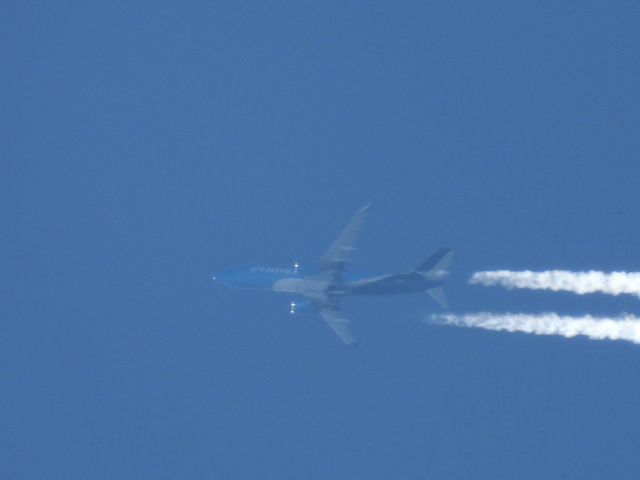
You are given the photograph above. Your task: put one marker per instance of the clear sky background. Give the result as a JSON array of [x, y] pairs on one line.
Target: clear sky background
[[146, 145]]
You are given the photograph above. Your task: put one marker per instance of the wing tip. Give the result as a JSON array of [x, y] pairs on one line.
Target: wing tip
[[367, 207]]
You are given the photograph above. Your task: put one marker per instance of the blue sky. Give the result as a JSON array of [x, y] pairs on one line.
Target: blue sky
[[147, 145]]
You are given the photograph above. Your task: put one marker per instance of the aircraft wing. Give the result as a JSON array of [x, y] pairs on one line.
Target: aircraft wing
[[340, 251], [339, 324]]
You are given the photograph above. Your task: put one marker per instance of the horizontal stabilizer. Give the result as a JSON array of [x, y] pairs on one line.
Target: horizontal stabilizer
[[438, 295], [438, 261]]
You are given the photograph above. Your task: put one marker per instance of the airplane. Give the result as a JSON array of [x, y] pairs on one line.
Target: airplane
[[325, 285]]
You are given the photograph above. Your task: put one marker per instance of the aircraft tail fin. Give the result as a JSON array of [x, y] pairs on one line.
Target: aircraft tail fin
[[436, 267]]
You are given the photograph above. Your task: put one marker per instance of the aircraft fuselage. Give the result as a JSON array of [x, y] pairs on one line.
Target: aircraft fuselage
[[291, 281]]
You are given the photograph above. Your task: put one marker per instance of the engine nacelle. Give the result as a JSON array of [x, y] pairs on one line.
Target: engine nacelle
[[301, 308]]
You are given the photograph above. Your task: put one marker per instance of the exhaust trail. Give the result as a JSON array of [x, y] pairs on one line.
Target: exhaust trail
[[625, 327], [581, 283]]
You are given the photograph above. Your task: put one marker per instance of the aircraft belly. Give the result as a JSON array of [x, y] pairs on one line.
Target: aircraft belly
[[384, 289], [289, 285], [393, 285]]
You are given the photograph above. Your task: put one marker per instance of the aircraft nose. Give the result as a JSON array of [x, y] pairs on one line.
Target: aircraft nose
[[223, 278], [220, 277]]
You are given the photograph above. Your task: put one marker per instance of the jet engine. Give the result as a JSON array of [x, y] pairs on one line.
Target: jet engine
[[302, 308]]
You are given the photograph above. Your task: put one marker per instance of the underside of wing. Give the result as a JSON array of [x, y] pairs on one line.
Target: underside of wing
[[339, 324], [342, 248]]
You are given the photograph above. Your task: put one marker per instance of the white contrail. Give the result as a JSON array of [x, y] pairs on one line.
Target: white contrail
[[625, 327], [612, 283]]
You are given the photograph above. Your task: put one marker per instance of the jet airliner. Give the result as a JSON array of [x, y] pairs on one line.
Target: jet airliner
[[325, 285]]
